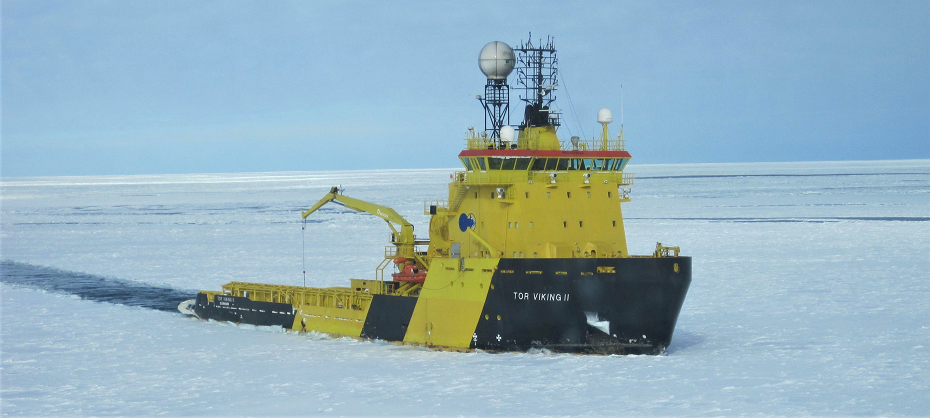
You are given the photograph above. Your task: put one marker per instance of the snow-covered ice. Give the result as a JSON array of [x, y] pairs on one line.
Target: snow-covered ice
[[810, 296]]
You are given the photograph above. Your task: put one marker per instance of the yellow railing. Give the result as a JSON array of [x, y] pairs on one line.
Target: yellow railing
[[333, 297], [666, 251], [502, 177], [627, 179], [440, 205], [593, 145], [379, 271], [330, 297], [583, 145], [481, 143]]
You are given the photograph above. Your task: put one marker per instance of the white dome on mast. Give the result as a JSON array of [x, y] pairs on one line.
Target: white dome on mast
[[496, 60], [508, 133]]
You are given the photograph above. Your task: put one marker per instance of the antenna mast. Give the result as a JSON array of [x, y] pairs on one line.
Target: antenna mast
[[538, 77]]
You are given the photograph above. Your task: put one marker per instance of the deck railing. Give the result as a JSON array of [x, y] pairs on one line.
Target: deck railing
[[510, 177], [618, 144], [440, 205]]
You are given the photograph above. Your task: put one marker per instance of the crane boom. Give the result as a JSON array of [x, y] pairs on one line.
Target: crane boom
[[404, 239]]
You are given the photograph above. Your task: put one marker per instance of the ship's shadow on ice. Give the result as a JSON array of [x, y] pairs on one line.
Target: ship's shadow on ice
[[91, 287], [682, 340]]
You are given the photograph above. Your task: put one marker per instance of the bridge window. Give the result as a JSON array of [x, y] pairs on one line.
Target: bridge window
[[551, 164], [481, 164], [467, 163], [539, 164], [498, 163], [580, 164], [621, 163], [598, 165], [609, 164]]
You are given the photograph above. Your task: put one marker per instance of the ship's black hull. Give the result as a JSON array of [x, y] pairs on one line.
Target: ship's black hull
[[603, 306], [597, 306], [244, 311]]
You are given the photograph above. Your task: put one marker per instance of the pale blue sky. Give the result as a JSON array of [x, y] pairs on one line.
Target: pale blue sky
[[135, 87]]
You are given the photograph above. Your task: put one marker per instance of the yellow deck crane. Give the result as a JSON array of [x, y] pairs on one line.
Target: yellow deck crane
[[404, 239]]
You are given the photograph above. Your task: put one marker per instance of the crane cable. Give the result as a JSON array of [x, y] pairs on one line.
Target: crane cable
[[303, 248]]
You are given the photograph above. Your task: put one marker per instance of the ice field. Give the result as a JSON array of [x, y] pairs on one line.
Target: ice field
[[810, 296]]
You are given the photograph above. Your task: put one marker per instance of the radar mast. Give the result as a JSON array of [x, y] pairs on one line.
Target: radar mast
[[538, 77]]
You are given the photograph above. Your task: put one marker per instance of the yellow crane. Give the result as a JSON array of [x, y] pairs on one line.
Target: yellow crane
[[404, 240]]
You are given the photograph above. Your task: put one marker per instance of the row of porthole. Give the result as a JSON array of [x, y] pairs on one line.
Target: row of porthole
[[586, 254], [548, 195], [564, 224]]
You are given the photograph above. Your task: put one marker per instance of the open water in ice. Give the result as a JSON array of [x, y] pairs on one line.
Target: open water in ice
[[810, 296]]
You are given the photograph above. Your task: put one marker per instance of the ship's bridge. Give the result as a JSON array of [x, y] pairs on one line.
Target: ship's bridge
[[503, 159], [538, 156]]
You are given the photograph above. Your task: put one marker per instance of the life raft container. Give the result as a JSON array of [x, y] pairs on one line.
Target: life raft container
[[410, 273]]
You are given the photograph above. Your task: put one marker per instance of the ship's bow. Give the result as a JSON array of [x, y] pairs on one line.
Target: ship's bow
[[605, 306]]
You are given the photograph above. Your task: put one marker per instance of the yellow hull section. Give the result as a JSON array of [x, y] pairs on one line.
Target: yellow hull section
[[450, 302]]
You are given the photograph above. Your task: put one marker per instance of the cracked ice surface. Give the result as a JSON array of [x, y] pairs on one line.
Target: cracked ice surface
[[810, 296]]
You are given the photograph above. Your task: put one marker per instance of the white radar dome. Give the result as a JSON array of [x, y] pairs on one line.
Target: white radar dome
[[507, 133], [496, 60], [604, 116]]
